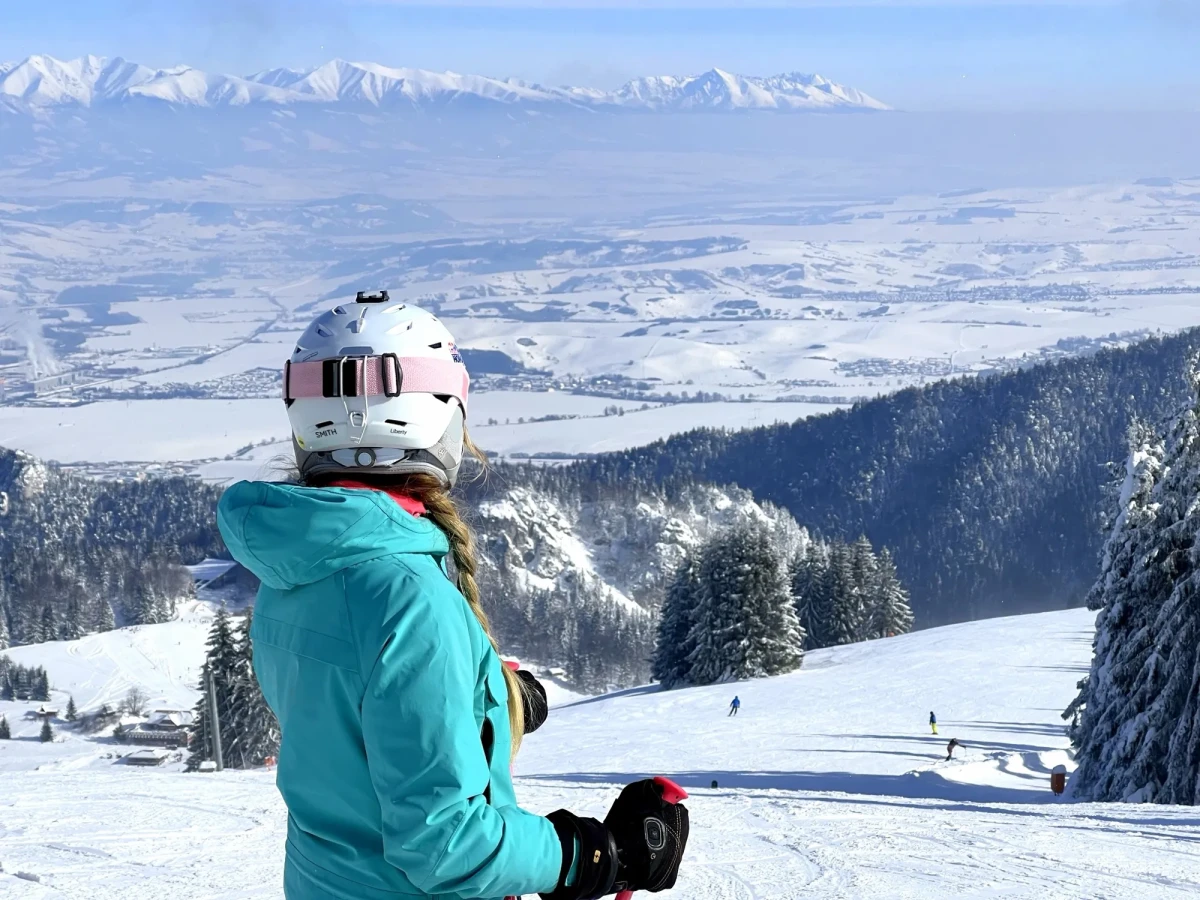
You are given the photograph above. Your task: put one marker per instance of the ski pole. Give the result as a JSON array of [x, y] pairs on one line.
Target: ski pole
[[672, 793]]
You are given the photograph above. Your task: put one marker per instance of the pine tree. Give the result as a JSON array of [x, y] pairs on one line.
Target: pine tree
[[745, 623], [888, 610], [254, 724], [5, 731], [809, 582], [844, 597], [1135, 729], [104, 618], [72, 627], [48, 630], [145, 605], [1129, 593], [41, 686], [5, 636], [675, 642], [47, 734], [223, 664], [72, 713]]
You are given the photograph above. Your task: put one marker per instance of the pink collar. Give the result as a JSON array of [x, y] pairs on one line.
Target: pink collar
[[410, 505]]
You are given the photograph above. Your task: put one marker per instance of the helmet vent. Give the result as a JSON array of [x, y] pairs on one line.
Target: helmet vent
[[324, 332], [339, 311], [445, 398], [323, 424], [437, 346], [396, 308], [395, 422]]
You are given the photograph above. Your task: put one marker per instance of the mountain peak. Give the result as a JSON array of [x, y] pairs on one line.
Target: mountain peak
[[43, 81]]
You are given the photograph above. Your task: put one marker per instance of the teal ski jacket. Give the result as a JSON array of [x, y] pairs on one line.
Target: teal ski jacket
[[392, 704]]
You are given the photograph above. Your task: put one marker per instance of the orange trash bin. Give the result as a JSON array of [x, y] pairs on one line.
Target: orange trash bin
[[1058, 779]]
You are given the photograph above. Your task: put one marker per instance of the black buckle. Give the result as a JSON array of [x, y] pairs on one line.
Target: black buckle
[[331, 378], [395, 362], [350, 385]]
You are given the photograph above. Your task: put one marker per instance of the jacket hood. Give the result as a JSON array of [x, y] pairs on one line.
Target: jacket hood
[[289, 535]]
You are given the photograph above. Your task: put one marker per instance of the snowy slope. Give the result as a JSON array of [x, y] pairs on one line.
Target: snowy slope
[[854, 719], [829, 788], [43, 81]]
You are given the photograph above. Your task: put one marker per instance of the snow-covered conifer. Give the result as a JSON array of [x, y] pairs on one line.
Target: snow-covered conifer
[[745, 624], [1134, 732], [674, 642], [808, 593], [48, 626], [843, 596], [41, 685], [888, 612], [256, 730], [73, 626], [104, 618]]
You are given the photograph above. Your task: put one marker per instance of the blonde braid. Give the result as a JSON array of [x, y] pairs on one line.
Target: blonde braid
[[445, 515]]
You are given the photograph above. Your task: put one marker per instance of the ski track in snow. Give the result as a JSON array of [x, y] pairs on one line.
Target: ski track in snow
[[865, 807]]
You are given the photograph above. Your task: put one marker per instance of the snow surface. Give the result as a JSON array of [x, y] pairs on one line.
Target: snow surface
[[830, 785]]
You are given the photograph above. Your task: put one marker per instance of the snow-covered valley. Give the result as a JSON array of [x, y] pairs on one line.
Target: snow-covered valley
[[171, 320], [829, 782]]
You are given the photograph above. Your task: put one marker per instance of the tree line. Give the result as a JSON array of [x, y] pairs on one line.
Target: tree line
[[19, 682], [1136, 721], [743, 606]]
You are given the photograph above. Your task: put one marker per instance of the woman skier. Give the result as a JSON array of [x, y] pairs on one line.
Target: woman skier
[[398, 720]]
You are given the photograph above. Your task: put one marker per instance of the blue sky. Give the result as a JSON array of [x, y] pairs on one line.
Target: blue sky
[[937, 54]]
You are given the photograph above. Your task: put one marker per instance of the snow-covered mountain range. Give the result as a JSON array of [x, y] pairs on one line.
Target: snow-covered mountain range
[[43, 81]]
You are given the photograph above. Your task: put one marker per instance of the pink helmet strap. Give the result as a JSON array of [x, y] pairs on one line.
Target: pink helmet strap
[[368, 376]]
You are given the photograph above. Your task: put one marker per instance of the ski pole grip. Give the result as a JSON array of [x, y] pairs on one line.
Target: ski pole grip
[[671, 793]]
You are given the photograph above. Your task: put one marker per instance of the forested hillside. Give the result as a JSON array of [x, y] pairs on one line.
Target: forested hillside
[[567, 581], [78, 556], [989, 491]]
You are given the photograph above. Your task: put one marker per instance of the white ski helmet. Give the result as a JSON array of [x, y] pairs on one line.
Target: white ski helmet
[[377, 387]]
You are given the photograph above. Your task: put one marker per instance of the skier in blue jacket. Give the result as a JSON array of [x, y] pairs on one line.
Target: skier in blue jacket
[[398, 719]]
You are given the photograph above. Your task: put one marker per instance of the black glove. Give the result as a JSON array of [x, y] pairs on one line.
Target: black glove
[[533, 696], [638, 846], [651, 835]]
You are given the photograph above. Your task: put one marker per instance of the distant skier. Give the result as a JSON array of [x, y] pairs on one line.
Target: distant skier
[[734, 707], [933, 722], [950, 748]]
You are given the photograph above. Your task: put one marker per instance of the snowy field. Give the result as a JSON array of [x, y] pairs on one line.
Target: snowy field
[[817, 303], [830, 785]]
